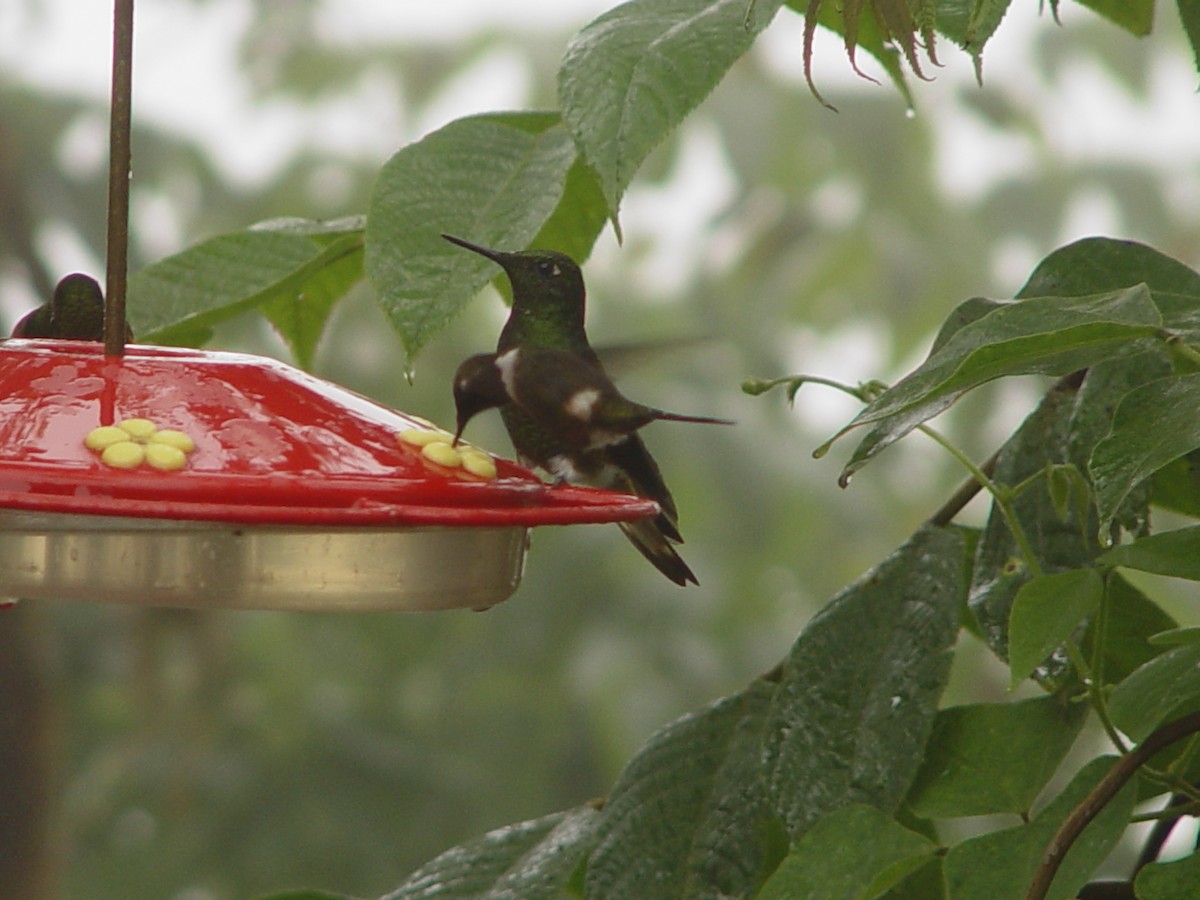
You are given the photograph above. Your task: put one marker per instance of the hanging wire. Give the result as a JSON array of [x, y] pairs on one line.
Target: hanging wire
[[119, 169]]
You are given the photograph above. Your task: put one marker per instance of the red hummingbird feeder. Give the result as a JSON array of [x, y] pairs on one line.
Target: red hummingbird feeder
[[167, 476], [187, 477]]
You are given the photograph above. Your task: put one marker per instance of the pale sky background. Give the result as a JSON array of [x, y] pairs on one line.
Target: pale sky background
[[186, 79]]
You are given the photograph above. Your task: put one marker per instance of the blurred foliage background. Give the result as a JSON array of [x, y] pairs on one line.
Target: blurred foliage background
[[210, 755]]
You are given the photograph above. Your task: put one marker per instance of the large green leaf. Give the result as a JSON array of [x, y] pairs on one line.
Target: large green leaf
[[1170, 880], [579, 217], [300, 318], [689, 815], [861, 686], [1135, 16], [527, 860], [855, 853], [1044, 614], [988, 758], [1046, 335], [1098, 264], [1175, 553], [1000, 864], [1154, 424], [494, 179], [632, 75], [1129, 621], [177, 298], [1094, 265], [1164, 688]]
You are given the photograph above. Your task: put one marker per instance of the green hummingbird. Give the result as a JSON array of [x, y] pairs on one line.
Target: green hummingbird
[[75, 312], [548, 302], [564, 395]]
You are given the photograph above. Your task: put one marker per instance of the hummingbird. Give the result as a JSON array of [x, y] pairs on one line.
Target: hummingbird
[[548, 302], [564, 395], [75, 312]]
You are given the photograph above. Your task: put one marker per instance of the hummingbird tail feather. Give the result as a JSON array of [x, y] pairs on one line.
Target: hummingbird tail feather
[[650, 541]]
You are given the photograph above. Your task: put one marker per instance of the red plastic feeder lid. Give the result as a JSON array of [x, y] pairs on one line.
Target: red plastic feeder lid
[[173, 442], [272, 445]]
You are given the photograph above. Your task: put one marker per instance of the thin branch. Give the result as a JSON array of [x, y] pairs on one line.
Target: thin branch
[[965, 494], [1112, 782], [119, 166]]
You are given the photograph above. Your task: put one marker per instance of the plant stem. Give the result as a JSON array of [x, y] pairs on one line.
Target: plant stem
[[1001, 496], [1108, 787], [119, 165]]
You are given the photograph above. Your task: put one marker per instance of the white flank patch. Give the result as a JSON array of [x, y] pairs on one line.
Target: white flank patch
[[561, 467], [582, 404], [506, 362]]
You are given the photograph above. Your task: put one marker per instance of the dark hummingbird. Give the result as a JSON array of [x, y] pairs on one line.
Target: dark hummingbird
[[548, 301], [75, 312], [564, 395]]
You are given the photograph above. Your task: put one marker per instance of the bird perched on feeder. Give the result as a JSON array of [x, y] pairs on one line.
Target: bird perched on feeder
[[75, 312], [548, 301], [564, 395]]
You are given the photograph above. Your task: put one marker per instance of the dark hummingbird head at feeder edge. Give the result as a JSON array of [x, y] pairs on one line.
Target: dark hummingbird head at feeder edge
[[75, 312]]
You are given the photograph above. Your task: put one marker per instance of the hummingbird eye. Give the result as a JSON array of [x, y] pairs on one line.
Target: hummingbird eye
[[548, 269]]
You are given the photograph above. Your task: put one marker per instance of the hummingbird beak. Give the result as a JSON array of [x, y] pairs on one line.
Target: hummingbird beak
[[496, 256]]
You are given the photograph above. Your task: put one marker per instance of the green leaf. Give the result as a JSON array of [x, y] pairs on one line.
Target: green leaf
[[1164, 688], [688, 816], [1175, 553], [999, 865], [579, 217], [223, 276], [860, 688], [1169, 880], [1177, 486], [1135, 16], [988, 758], [529, 860], [926, 883], [1045, 612], [1095, 265], [632, 75], [1131, 620], [854, 853], [1153, 425], [1176, 637], [970, 310], [494, 179], [971, 24], [305, 895], [1046, 335], [1064, 428], [300, 318], [1189, 13]]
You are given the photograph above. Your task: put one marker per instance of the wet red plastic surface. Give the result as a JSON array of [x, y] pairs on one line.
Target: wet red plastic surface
[[274, 445]]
